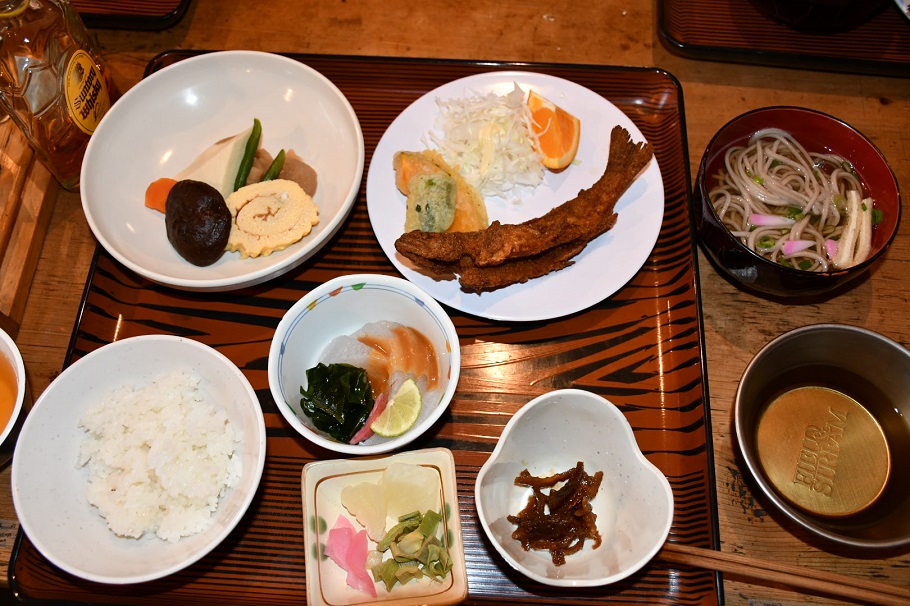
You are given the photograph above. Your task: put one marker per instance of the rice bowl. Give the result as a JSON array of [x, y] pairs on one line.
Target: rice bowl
[[49, 487]]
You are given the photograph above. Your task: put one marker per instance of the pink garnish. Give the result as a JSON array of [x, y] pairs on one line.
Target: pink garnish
[[831, 248], [765, 220], [794, 246], [348, 548], [365, 432]]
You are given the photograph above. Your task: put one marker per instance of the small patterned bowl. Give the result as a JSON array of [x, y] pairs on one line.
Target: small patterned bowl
[[340, 307]]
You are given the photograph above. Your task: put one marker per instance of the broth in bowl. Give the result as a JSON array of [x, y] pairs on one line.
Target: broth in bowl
[[832, 148]]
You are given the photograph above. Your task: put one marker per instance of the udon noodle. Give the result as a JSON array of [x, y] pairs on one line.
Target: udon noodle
[[803, 210]]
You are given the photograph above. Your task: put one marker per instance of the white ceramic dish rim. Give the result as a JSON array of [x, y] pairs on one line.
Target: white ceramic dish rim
[[279, 262], [18, 365], [257, 433], [623, 423], [293, 315]]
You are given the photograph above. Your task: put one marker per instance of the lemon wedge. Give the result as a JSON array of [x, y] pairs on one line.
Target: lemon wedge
[[401, 412]]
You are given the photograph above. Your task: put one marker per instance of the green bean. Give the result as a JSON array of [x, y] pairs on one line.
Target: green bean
[[246, 162], [275, 167]]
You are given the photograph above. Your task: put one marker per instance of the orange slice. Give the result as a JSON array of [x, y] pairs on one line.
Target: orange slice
[[557, 132]]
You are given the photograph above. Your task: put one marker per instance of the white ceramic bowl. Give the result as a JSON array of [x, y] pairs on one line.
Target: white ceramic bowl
[[551, 434], [10, 351], [159, 127], [49, 488], [340, 307]]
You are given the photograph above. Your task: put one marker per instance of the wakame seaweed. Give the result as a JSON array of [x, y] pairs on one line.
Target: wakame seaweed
[[338, 399]]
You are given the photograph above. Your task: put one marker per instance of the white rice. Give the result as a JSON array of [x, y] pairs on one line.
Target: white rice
[[159, 457]]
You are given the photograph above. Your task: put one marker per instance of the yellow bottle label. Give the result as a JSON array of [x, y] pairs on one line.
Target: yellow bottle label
[[87, 97]]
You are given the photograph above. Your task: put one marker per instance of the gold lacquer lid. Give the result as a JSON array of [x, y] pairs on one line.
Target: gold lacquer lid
[[823, 451]]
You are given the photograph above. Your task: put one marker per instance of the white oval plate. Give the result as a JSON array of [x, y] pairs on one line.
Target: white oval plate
[[164, 122], [602, 268]]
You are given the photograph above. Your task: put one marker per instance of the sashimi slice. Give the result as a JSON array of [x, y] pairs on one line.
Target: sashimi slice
[[348, 548]]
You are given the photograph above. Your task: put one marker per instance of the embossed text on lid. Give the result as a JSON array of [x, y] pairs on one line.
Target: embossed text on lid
[[823, 451]]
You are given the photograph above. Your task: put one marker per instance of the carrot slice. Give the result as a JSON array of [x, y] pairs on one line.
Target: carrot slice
[[157, 191]]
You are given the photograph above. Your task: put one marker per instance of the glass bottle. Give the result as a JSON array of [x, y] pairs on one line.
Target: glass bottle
[[53, 83]]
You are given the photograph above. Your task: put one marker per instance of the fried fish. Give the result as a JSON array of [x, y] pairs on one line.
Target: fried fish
[[505, 254]]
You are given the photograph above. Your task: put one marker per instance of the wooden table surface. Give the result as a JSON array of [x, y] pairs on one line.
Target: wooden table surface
[[614, 32]]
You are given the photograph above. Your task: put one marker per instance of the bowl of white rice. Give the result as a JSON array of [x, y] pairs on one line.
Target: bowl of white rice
[[145, 453]]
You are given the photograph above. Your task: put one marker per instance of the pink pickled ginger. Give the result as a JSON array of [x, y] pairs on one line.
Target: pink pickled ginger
[[347, 547]]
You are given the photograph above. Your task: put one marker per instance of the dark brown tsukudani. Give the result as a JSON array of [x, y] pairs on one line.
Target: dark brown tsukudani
[[561, 520], [505, 254]]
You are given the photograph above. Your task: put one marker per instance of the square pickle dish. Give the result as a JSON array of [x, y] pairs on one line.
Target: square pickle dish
[[322, 483]]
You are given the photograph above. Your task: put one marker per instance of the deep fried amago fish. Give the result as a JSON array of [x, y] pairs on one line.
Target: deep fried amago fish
[[504, 254]]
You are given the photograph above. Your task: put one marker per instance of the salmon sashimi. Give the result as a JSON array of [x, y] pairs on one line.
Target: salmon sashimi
[[389, 352]]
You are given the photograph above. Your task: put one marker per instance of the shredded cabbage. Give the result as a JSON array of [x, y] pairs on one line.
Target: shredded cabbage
[[490, 140]]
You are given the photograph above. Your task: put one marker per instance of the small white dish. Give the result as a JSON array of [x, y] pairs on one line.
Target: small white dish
[[551, 434], [158, 127], [341, 307], [602, 268], [49, 488], [322, 483]]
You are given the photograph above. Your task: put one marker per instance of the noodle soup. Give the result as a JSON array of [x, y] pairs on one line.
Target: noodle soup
[[792, 202], [804, 210]]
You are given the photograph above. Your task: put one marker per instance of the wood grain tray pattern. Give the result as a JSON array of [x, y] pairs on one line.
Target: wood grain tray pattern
[[734, 31], [131, 14], [643, 349]]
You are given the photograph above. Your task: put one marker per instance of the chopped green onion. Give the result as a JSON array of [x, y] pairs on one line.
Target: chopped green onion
[[765, 242], [878, 215], [840, 202]]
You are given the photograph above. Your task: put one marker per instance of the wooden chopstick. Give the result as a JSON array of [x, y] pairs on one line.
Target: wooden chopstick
[[812, 580]]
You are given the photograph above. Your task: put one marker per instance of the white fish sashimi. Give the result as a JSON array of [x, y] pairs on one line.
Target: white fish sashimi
[[390, 353], [347, 350]]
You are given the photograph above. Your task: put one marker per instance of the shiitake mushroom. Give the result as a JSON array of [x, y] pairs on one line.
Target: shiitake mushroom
[[198, 221]]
